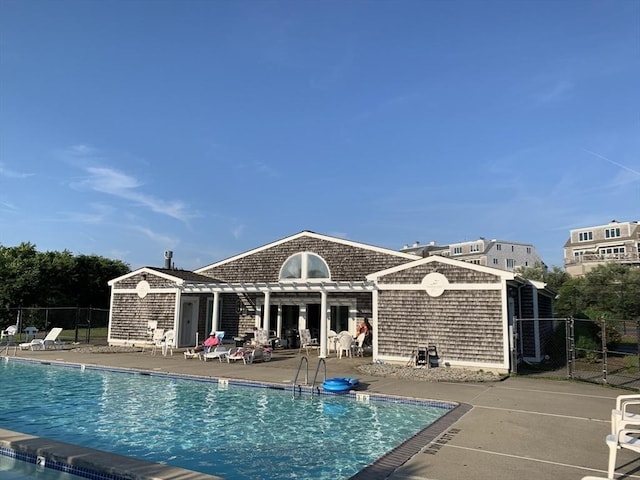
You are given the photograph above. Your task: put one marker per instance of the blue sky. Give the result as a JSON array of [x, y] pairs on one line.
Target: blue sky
[[209, 128]]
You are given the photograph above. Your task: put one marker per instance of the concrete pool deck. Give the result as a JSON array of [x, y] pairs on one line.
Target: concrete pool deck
[[521, 427]]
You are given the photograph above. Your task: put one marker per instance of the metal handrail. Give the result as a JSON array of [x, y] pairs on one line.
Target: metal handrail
[[306, 375], [313, 384]]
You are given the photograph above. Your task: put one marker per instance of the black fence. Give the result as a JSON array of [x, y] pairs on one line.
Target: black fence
[[600, 351], [77, 323]]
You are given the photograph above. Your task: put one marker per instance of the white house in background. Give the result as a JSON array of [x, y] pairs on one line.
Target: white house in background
[[502, 254], [588, 247]]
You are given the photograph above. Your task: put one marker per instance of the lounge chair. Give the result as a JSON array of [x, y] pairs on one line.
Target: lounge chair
[[249, 355], [219, 351], [51, 340]]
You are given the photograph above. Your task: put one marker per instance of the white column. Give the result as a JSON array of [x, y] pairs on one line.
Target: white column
[[215, 315], [267, 310], [279, 332], [323, 324]]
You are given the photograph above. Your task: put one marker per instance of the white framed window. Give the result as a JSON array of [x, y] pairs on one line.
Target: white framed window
[[585, 236], [495, 261], [510, 262], [528, 249], [457, 250], [475, 247], [304, 266], [612, 232], [498, 247]]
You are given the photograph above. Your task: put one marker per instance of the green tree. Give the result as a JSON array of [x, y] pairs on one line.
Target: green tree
[[609, 291], [29, 278], [539, 272]]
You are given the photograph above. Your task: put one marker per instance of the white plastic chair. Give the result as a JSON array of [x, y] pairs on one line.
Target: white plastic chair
[[345, 344], [359, 345], [621, 414], [9, 333], [158, 339], [30, 333], [168, 342]]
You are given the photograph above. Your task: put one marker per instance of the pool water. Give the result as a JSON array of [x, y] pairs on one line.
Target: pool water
[[236, 432]]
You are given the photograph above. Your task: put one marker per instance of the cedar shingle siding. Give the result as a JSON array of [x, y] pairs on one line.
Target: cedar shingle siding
[[346, 263], [467, 322]]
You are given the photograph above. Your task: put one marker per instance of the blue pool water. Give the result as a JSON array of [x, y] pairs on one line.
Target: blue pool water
[[236, 432]]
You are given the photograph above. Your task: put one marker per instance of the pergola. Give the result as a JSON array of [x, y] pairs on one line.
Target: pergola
[[322, 287]]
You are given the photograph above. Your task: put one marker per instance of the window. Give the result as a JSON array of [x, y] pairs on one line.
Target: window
[[528, 249], [511, 263], [457, 250], [495, 261], [304, 266], [498, 247], [612, 232], [611, 250], [475, 247], [585, 236]]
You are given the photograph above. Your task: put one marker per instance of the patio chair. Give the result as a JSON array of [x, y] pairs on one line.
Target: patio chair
[[51, 340], [345, 344], [158, 338], [307, 342], [168, 342], [8, 333], [359, 345], [30, 333], [219, 351], [621, 414], [626, 438]]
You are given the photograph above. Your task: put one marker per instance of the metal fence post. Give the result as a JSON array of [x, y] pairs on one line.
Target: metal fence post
[[571, 352], [604, 351]]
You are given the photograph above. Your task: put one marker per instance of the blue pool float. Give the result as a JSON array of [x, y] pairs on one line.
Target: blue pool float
[[340, 384]]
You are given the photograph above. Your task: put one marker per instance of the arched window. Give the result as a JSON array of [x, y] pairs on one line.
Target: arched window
[[304, 266]]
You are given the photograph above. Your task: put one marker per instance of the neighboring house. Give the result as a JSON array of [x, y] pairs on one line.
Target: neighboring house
[[502, 254], [588, 247], [321, 283]]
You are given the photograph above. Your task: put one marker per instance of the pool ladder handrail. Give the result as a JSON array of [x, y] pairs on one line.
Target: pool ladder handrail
[[315, 377], [306, 375]]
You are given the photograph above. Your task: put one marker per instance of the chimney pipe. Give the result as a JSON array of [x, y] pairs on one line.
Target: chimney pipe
[[168, 255]]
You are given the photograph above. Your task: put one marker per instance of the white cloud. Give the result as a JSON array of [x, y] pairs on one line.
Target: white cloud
[[7, 172], [114, 182]]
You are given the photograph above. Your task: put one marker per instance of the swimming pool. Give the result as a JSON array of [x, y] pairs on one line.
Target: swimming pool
[[216, 428]]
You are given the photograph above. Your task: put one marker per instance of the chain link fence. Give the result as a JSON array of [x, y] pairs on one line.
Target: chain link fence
[[83, 325], [599, 351]]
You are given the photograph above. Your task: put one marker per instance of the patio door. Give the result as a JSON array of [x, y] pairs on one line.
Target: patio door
[[188, 325]]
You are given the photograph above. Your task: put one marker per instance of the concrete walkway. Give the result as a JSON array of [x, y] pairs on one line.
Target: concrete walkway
[[524, 428]]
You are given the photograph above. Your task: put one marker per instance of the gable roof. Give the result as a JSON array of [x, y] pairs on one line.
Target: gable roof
[[178, 276], [504, 274], [307, 233]]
